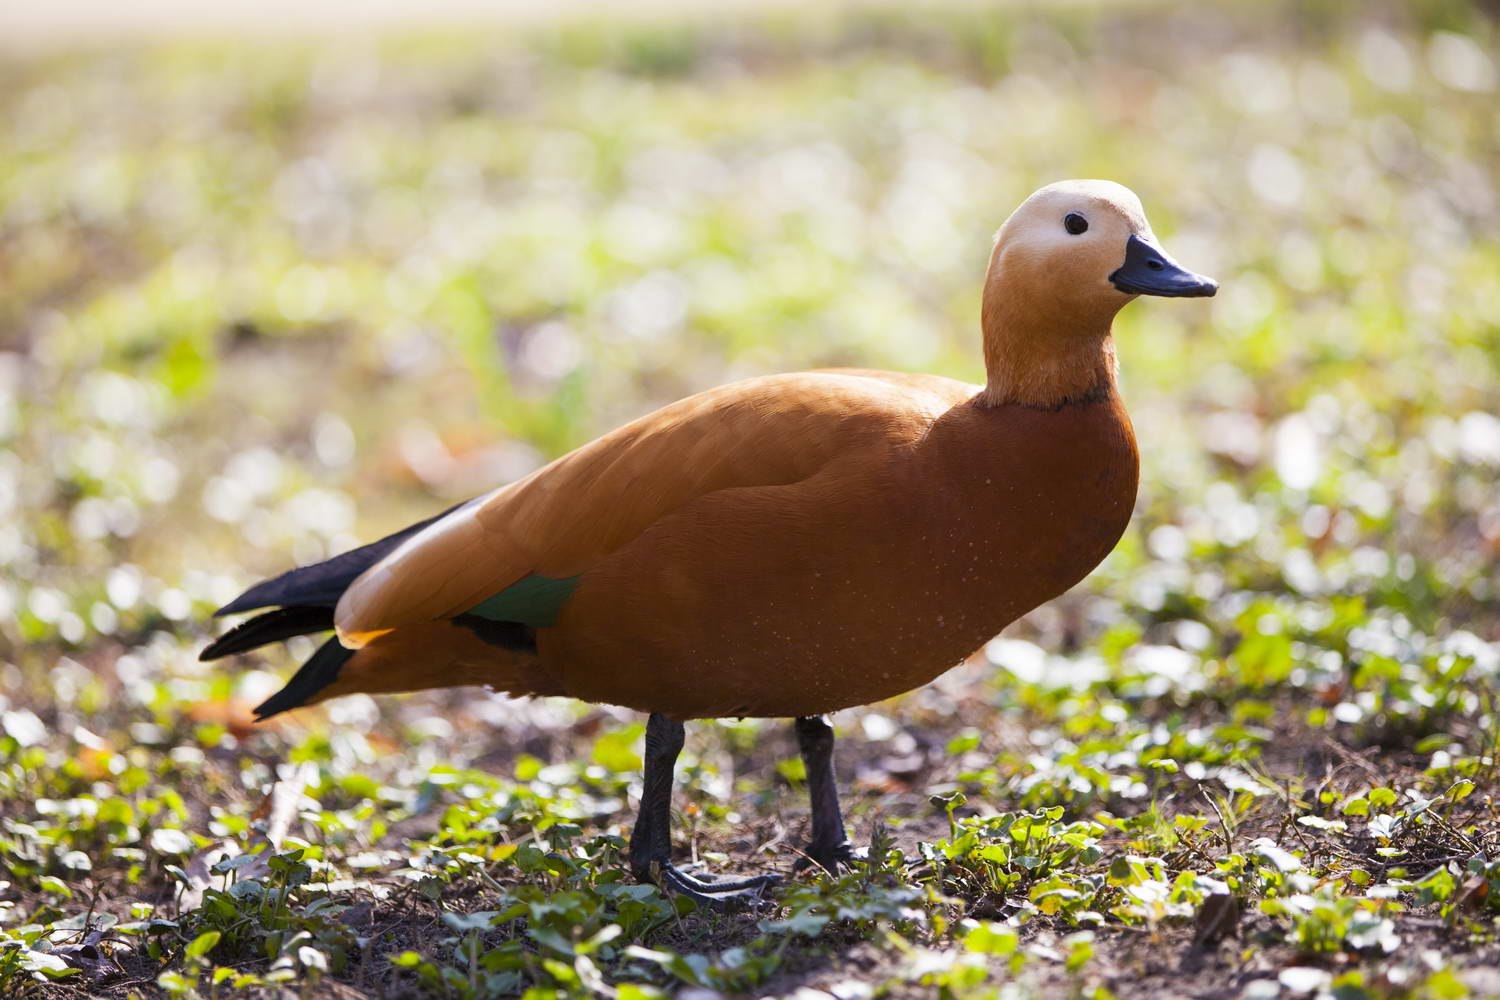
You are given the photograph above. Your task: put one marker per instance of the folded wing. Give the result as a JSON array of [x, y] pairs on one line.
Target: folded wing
[[511, 555]]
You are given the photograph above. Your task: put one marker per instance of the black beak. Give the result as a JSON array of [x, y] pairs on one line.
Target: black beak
[[1149, 271]]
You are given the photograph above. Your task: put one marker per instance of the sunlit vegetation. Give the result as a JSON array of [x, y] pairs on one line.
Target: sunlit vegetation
[[261, 300]]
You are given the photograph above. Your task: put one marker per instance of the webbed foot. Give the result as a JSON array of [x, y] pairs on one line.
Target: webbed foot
[[709, 891]]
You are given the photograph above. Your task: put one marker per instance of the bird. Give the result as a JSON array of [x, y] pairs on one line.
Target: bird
[[783, 546]]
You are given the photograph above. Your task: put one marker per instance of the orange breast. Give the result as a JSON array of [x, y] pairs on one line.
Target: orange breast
[[864, 581]]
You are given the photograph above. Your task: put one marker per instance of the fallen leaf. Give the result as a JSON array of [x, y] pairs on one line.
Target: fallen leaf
[[89, 958], [1472, 894], [1218, 918]]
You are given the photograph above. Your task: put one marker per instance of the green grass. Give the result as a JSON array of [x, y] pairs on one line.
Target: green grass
[[263, 300]]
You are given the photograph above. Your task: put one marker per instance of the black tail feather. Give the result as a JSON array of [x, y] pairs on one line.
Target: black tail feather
[[273, 626], [306, 597], [325, 582], [316, 674]]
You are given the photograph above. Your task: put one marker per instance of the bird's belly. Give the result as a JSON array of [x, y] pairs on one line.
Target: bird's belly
[[795, 622], [792, 651]]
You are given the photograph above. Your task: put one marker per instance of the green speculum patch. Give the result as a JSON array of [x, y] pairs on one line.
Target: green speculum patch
[[535, 600]]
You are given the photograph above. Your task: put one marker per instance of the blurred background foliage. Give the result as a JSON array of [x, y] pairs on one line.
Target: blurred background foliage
[[260, 300]]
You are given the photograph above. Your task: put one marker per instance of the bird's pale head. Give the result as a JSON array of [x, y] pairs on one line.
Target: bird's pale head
[[1086, 247]]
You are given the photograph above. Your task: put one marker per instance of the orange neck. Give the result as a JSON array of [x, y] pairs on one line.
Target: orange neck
[[1036, 357]]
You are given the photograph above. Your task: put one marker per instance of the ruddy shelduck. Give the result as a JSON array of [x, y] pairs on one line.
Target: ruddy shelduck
[[782, 546]]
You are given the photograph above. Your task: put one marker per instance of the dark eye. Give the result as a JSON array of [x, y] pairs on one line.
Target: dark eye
[[1075, 224]]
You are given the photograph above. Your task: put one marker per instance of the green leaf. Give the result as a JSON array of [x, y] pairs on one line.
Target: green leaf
[[202, 944], [606, 934], [549, 938], [615, 750], [638, 991], [966, 740], [50, 965], [1319, 823], [169, 841], [949, 801], [992, 939], [805, 924], [54, 885], [462, 923], [1276, 855], [1444, 984]]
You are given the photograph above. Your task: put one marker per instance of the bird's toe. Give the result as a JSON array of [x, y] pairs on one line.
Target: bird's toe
[[716, 893]]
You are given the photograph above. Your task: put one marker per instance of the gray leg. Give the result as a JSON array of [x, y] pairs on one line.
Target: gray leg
[[651, 840], [830, 844]]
